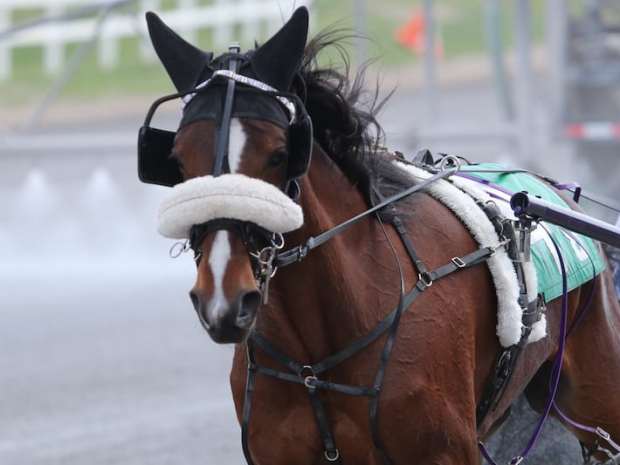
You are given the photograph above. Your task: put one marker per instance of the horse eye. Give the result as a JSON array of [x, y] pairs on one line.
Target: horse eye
[[277, 159]]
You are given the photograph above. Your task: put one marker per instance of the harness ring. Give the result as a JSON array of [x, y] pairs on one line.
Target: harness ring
[[333, 458]]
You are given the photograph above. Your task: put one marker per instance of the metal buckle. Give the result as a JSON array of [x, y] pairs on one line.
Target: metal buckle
[[458, 261], [426, 279], [498, 246], [517, 460], [602, 433], [333, 458]]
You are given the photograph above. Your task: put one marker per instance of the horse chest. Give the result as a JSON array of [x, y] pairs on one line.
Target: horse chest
[[286, 431]]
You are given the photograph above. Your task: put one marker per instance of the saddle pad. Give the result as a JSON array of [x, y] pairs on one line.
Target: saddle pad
[[462, 196], [582, 256]]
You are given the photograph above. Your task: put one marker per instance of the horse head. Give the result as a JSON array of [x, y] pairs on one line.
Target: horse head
[[242, 142]]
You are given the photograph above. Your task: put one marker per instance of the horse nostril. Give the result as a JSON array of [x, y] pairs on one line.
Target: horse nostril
[[248, 303], [195, 300]]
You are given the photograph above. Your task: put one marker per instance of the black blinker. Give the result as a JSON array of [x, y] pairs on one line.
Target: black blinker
[[154, 163]]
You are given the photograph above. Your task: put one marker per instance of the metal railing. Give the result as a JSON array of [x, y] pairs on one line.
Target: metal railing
[[77, 21]]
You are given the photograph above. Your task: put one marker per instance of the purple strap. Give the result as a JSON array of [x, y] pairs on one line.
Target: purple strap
[[485, 453], [569, 186], [557, 365], [479, 180], [598, 431]]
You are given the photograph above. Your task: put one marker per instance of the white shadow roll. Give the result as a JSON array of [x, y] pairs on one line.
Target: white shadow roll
[[230, 196]]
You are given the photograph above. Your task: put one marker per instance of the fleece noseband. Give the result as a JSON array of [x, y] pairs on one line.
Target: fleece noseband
[[230, 196]]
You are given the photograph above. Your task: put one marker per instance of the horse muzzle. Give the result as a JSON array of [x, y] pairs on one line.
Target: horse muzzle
[[226, 322]]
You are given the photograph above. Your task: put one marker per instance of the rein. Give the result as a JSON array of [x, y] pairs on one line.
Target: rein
[[298, 253]]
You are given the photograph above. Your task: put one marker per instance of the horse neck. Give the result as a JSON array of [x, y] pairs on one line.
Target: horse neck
[[323, 302]]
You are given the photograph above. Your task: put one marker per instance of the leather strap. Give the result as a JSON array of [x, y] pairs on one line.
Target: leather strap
[[408, 244], [298, 253], [250, 382], [223, 133]]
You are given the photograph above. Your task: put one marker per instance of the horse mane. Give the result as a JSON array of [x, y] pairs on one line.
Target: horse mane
[[344, 115]]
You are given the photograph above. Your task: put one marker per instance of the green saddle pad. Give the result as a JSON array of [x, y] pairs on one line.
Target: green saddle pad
[[582, 257]]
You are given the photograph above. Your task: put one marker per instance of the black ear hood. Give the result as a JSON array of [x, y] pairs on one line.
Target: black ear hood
[[278, 59], [274, 63], [185, 64]]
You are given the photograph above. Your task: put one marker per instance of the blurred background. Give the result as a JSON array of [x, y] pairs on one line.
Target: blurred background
[[101, 357]]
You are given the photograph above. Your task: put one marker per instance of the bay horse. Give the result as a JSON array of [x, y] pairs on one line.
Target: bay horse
[[445, 348]]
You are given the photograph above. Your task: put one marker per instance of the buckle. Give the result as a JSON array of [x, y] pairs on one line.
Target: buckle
[[426, 279], [517, 460], [602, 433], [458, 261]]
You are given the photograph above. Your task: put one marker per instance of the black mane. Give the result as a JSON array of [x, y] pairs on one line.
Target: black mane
[[344, 116]]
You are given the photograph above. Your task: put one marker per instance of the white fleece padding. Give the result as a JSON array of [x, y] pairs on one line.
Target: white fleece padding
[[230, 196], [460, 200]]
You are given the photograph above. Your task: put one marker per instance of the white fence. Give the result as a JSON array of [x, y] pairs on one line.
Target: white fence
[[254, 18]]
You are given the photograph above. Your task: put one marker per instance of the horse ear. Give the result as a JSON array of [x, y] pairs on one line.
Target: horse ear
[[277, 60], [184, 63]]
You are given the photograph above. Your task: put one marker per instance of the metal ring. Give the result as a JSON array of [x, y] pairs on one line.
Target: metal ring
[[279, 244], [308, 370], [450, 161], [335, 457], [178, 248], [264, 256], [458, 262], [308, 381]]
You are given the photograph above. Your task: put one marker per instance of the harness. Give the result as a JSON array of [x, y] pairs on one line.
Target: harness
[[267, 256]]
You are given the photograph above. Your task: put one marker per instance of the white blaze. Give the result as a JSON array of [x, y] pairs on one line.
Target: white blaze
[[221, 251], [236, 144], [218, 261]]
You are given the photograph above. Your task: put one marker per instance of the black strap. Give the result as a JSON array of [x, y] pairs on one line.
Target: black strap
[[408, 244], [332, 454], [223, 134], [373, 407], [298, 253], [247, 402]]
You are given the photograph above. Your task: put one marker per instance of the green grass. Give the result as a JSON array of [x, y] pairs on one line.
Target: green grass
[[461, 26]]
